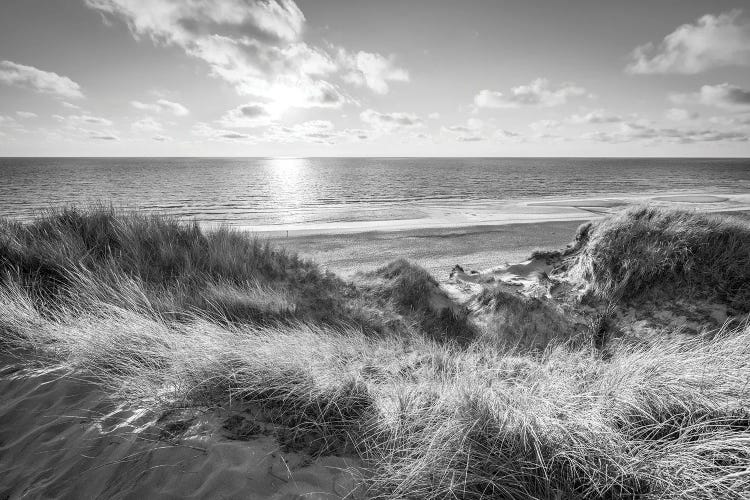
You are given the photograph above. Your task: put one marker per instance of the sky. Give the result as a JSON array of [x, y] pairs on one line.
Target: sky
[[374, 78]]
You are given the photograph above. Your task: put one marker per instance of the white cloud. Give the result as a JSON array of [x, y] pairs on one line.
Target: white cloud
[[147, 124], [631, 132], [537, 93], [543, 125], [27, 114], [102, 136], [390, 122], [162, 106], [594, 117], [212, 133], [249, 115], [45, 82], [713, 41], [471, 131], [372, 70], [680, 115], [507, 135], [252, 44], [742, 120], [723, 95], [434, 116], [94, 120]]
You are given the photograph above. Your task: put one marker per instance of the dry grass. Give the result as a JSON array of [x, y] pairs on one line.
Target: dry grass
[[649, 249], [431, 418]]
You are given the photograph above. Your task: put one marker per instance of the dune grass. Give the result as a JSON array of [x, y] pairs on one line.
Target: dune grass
[[430, 416], [648, 249]]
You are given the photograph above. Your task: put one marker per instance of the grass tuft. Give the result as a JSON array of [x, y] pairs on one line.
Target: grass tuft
[[647, 250]]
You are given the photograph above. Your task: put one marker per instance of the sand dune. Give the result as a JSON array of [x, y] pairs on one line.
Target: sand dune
[[61, 438]]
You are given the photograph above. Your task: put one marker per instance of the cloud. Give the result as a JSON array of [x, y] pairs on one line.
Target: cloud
[[103, 137], [732, 121], [372, 70], [471, 131], [723, 95], [216, 134], [147, 124], [680, 115], [85, 119], [631, 132], [434, 116], [27, 114], [161, 138], [507, 135], [247, 116], [594, 117], [315, 131], [390, 122], [713, 41], [233, 135], [538, 93], [45, 82], [255, 45], [542, 125], [162, 106]]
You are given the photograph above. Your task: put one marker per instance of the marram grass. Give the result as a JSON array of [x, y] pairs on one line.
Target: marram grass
[[431, 418]]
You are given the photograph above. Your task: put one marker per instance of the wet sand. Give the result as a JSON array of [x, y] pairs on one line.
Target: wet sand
[[437, 250]]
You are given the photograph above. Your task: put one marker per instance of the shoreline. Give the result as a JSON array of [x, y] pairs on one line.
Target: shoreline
[[437, 249], [469, 214]]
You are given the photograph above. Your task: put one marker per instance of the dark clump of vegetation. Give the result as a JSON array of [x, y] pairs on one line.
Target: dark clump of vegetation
[[180, 269], [520, 321], [653, 250], [415, 294]]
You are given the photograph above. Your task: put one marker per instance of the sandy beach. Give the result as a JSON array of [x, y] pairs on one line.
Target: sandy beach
[[506, 232], [435, 249]]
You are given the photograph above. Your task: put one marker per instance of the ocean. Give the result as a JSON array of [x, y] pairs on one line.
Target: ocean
[[281, 192]]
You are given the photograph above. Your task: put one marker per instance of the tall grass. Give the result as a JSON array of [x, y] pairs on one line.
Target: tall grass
[[179, 271], [683, 253], [431, 418]]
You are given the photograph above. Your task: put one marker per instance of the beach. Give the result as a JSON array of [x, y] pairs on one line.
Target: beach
[[509, 233], [435, 249]]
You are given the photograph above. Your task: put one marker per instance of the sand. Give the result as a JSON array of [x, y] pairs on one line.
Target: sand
[[507, 232], [456, 213], [61, 438], [437, 250]]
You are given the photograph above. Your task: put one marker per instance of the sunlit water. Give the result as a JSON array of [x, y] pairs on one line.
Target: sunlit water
[[287, 191]]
